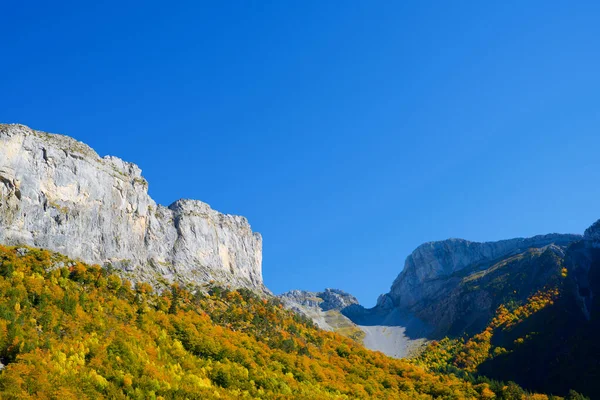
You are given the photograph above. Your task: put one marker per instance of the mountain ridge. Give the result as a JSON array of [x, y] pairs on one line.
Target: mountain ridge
[[438, 281], [439, 259]]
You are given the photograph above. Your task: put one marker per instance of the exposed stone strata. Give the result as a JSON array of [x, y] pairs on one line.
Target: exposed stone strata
[[57, 193]]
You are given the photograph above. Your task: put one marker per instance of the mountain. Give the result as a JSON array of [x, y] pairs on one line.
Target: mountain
[[451, 287], [523, 310], [547, 341], [395, 334], [82, 332], [57, 193], [324, 309], [330, 299], [456, 285]]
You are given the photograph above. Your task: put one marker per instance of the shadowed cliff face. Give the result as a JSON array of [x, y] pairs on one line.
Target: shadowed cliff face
[[432, 265], [57, 193]]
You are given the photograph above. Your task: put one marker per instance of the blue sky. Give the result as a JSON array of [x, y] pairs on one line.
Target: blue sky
[[347, 132]]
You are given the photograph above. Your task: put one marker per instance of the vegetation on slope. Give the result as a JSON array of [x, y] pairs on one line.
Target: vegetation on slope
[[468, 354], [542, 343], [470, 306], [80, 332]]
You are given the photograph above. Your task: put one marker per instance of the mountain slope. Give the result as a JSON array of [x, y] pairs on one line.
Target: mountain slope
[[452, 288], [547, 342], [57, 193], [434, 268], [324, 309], [84, 333]]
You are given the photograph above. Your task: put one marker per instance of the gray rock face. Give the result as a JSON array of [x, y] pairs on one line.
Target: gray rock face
[[330, 299], [428, 269], [301, 298], [57, 193], [324, 308]]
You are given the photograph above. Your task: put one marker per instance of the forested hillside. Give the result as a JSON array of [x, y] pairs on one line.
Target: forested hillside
[[545, 342], [73, 331]]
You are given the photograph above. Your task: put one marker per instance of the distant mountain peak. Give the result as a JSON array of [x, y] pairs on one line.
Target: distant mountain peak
[[430, 263], [329, 299]]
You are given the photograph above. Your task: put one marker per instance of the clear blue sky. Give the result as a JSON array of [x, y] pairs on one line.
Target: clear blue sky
[[348, 132]]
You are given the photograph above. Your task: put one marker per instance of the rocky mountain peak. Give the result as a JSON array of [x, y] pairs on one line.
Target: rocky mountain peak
[[431, 264], [592, 234], [329, 299]]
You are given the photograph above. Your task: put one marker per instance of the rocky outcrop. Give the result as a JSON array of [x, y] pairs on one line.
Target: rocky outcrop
[[395, 334], [315, 304], [57, 193], [454, 286], [330, 299], [323, 308], [432, 265]]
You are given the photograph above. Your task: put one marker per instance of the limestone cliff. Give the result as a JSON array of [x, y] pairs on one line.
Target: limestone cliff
[[57, 193]]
